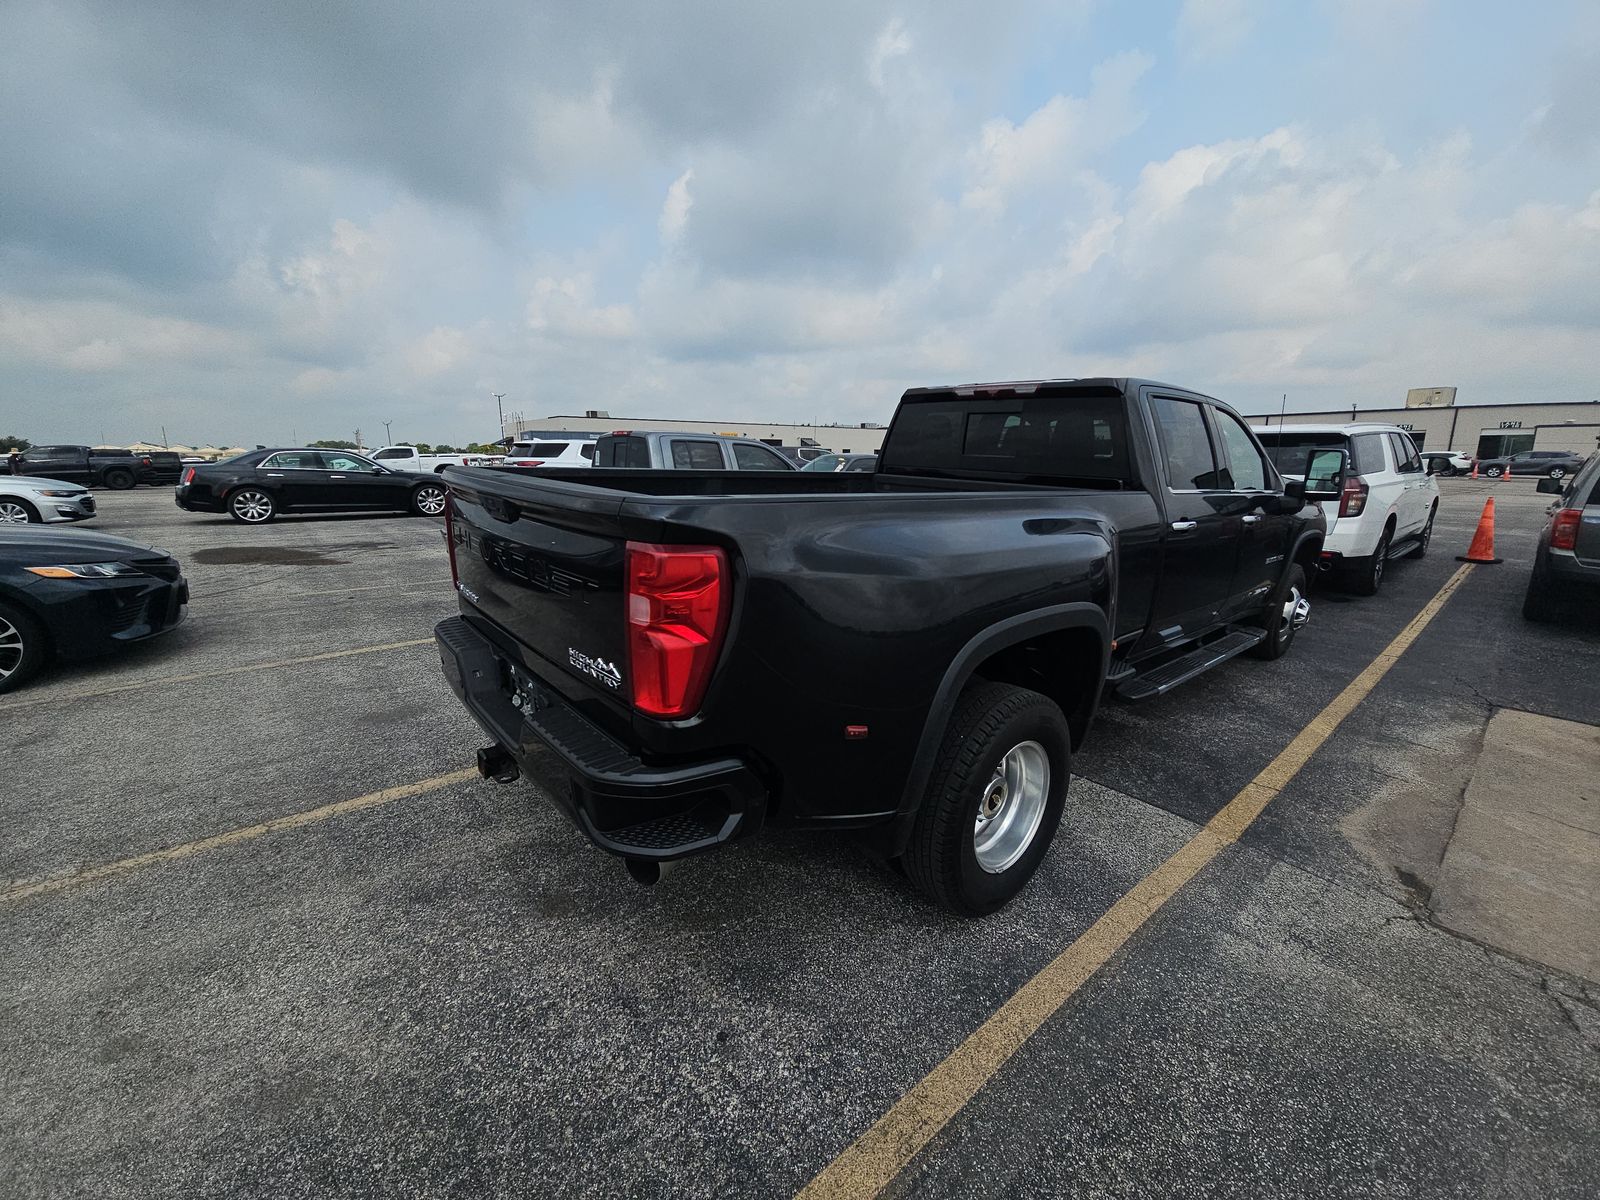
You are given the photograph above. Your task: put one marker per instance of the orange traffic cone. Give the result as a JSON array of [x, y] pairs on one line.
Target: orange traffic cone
[[1482, 548], [1474, 474], [1506, 473]]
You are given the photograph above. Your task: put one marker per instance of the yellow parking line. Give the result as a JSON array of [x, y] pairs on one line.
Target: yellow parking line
[[234, 836], [163, 681], [882, 1152]]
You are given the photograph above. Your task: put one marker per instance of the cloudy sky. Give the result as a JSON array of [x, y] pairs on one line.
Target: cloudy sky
[[249, 222]]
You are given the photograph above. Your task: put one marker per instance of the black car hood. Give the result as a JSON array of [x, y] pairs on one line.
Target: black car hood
[[47, 547]]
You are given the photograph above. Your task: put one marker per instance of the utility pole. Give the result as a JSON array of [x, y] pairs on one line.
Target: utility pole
[[164, 438], [501, 409], [388, 438], [358, 437]]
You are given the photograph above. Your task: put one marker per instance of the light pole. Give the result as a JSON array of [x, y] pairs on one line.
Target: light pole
[[500, 408]]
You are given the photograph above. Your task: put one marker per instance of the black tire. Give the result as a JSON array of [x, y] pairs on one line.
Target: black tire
[[24, 648], [1544, 601], [990, 722], [1420, 550], [1277, 620], [119, 480], [1369, 576], [14, 510], [251, 506], [428, 500]]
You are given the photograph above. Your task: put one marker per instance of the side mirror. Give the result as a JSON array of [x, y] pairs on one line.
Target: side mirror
[[1552, 487], [1325, 474]]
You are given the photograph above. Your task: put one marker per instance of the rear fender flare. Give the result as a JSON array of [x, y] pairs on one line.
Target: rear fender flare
[[1057, 618]]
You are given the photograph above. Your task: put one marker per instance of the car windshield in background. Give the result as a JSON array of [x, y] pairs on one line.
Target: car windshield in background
[[1289, 451], [828, 462], [1075, 437]]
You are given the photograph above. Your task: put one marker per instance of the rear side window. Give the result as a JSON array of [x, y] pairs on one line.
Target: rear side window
[[546, 449], [304, 460], [1405, 454], [697, 456], [623, 452], [862, 464], [1191, 463], [1075, 436], [587, 450]]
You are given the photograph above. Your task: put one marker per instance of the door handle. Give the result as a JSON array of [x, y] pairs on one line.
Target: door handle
[[1250, 518], [1185, 526], [274, 474], [335, 476]]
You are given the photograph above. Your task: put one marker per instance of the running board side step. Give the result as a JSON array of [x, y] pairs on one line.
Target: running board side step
[[1159, 680]]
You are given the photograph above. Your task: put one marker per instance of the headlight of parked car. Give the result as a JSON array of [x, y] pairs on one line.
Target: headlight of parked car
[[105, 570], [73, 494]]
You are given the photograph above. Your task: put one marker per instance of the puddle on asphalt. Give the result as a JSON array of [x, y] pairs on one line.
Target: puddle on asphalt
[[264, 555]]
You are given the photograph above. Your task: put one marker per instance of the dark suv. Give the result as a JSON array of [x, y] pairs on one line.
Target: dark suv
[[1566, 564], [1556, 464]]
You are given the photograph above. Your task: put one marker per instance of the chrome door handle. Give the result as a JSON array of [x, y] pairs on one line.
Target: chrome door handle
[[335, 476], [1185, 526], [1250, 518], [274, 474]]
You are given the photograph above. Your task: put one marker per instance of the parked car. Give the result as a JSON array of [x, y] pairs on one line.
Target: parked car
[[685, 658], [1446, 462], [26, 499], [800, 455], [843, 462], [1566, 563], [576, 451], [409, 458], [1554, 464], [256, 487], [1388, 503], [671, 451], [75, 595], [116, 469]]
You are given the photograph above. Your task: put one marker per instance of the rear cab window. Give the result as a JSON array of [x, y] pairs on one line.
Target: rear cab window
[[1073, 438], [622, 451]]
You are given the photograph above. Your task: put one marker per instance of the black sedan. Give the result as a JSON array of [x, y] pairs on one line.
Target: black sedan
[[256, 487], [72, 595]]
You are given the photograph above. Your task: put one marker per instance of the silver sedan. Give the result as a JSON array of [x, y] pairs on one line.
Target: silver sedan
[[28, 499]]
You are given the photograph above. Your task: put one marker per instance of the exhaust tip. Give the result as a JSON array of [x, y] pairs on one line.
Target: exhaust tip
[[647, 871]]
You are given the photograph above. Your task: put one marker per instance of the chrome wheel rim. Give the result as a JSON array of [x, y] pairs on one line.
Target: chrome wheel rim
[[253, 507], [12, 513], [431, 500], [1296, 612], [1011, 807], [11, 649], [1557, 472]]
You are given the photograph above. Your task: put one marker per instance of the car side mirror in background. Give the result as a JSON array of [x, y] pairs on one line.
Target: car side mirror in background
[[1553, 487], [1325, 474]]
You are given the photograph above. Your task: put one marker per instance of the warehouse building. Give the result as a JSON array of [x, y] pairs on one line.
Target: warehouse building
[[1431, 415]]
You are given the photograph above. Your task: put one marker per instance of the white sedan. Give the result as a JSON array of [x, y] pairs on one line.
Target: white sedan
[[27, 499]]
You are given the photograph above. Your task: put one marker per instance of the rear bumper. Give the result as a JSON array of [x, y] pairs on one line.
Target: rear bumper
[[623, 805], [188, 500]]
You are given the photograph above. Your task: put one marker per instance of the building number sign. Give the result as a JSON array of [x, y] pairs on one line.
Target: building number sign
[[1510, 424]]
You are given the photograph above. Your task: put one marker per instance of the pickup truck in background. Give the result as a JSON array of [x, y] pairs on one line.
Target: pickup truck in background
[[409, 458], [669, 450], [93, 467], [685, 657]]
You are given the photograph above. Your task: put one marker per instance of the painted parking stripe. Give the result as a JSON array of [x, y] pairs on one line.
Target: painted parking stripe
[[883, 1151], [376, 587], [234, 837], [168, 680]]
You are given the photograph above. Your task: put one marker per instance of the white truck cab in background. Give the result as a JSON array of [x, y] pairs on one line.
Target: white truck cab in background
[[408, 458]]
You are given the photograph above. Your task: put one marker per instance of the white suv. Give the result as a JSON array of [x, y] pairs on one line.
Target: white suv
[[1389, 499], [552, 452]]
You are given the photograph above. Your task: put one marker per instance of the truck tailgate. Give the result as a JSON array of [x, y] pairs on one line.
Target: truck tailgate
[[544, 563]]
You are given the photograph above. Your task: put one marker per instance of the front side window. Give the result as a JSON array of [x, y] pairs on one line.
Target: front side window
[[697, 456], [748, 456], [1191, 464], [340, 461], [383, 454], [1245, 465]]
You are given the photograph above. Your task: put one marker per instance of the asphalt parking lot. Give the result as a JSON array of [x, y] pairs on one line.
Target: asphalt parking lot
[[444, 989]]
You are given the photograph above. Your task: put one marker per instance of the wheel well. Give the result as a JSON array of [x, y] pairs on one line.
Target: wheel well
[[24, 501], [439, 470], [1308, 553], [1066, 666]]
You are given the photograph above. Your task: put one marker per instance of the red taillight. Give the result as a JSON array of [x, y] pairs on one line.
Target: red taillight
[[450, 538], [677, 613], [1354, 497], [526, 462], [188, 476], [1564, 529]]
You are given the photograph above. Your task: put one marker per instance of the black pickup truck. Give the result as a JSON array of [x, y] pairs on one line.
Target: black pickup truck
[[95, 467], [682, 658]]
